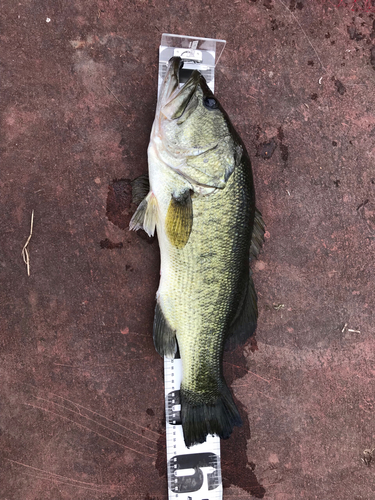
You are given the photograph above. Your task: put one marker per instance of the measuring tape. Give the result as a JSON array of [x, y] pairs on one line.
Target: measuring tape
[[193, 473]]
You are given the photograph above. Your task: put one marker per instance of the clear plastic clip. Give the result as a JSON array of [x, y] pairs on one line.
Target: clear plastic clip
[[198, 53]]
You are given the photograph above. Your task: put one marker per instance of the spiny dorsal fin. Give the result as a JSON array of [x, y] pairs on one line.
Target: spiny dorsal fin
[[164, 337], [145, 216], [245, 322], [258, 235], [140, 188], [179, 219]]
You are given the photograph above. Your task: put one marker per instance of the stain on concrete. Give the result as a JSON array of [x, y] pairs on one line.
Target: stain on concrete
[[119, 201], [266, 149], [341, 89], [268, 4], [354, 34], [110, 245], [283, 147], [295, 5]]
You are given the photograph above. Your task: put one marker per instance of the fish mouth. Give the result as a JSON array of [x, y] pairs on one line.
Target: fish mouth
[[173, 70], [174, 100]]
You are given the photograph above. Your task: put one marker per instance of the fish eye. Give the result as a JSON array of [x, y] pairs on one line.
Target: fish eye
[[210, 103]]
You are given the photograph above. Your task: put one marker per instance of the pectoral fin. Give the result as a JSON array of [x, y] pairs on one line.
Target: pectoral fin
[[145, 216], [140, 188], [179, 219]]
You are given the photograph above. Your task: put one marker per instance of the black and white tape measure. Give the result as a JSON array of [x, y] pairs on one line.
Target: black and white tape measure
[[193, 473]]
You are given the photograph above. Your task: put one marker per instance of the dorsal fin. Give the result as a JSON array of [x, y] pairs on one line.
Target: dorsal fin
[[257, 237], [245, 321]]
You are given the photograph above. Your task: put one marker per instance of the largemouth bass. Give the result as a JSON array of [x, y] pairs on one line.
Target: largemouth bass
[[200, 199]]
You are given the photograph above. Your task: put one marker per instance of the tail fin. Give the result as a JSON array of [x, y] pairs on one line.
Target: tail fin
[[201, 419]]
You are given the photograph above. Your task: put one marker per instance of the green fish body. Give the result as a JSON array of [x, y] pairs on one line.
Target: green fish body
[[201, 202]]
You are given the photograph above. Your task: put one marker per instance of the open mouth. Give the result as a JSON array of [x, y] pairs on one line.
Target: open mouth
[[177, 71], [176, 99]]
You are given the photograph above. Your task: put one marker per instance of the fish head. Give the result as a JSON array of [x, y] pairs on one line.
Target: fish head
[[194, 129]]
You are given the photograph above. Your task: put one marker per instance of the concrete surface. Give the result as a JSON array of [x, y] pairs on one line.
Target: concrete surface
[[81, 384]]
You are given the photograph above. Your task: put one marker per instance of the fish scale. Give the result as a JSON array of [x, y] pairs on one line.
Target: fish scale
[[206, 282]]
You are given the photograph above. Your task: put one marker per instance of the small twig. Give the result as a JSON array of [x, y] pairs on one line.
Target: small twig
[[362, 205], [117, 99], [25, 252], [349, 329]]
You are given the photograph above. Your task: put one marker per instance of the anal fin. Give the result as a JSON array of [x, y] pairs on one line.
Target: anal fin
[[164, 336], [245, 322]]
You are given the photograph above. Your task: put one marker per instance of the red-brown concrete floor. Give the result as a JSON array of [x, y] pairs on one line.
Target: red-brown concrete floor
[[81, 385]]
